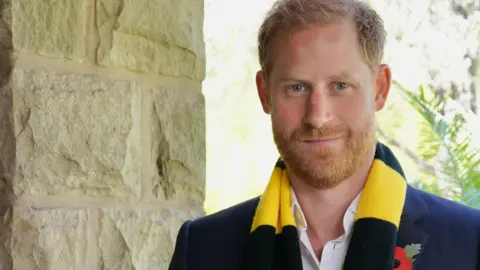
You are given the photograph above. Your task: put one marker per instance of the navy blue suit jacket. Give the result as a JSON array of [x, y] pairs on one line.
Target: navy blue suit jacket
[[448, 232]]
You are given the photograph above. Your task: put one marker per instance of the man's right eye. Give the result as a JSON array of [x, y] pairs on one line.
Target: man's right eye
[[296, 88]]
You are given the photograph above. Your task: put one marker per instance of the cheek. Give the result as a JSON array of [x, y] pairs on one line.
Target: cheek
[[288, 114], [354, 113]]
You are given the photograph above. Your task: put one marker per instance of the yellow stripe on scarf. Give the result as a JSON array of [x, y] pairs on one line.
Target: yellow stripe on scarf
[[383, 195], [274, 238], [274, 208], [383, 198]]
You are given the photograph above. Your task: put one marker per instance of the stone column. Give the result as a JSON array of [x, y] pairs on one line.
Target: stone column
[[102, 131]]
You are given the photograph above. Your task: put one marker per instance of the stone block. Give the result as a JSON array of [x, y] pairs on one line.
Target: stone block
[[179, 146], [50, 239], [50, 28], [139, 239], [91, 239], [7, 137], [164, 37], [6, 262], [76, 134]]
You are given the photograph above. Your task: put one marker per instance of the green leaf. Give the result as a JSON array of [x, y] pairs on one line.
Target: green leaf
[[448, 134], [412, 250]]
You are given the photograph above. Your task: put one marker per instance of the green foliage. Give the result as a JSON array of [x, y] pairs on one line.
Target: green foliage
[[432, 131], [431, 187], [446, 141], [471, 198]]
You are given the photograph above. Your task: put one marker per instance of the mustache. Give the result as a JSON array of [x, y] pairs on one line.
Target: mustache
[[308, 133]]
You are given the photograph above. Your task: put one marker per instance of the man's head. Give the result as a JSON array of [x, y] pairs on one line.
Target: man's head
[[322, 82]]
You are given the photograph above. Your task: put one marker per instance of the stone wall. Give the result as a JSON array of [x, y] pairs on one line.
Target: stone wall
[[102, 131]]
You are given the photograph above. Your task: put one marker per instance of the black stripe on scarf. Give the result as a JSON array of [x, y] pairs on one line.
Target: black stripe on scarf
[[367, 252], [373, 241], [374, 233], [285, 249]]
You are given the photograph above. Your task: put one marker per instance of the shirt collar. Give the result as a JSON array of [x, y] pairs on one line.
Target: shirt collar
[[348, 218]]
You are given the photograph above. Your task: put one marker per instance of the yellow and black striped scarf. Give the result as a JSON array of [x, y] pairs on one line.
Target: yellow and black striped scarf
[[273, 242]]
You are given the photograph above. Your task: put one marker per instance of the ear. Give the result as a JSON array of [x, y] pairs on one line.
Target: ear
[[384, 77], [263, 91]]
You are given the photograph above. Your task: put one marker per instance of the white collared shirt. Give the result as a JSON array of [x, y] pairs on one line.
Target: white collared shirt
[[334, 251]]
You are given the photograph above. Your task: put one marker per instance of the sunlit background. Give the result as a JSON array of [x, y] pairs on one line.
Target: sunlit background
[[434, 43]]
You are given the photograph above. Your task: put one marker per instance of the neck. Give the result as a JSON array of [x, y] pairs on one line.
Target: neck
[[324, 209]]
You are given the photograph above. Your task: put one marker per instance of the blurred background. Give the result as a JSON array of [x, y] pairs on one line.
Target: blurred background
[[430, 121], [102, 131]]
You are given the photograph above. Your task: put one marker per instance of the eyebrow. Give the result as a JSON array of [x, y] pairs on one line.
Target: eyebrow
[[284, 79], [342, 75], [338, 76], [345, 76]]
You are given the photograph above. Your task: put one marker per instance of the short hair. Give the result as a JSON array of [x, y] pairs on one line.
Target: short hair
[[291, 15]]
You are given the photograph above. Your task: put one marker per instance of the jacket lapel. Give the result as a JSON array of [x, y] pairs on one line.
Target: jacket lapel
[[411, 230]]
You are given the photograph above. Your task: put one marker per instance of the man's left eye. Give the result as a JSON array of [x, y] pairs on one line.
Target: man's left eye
[[341, 86]]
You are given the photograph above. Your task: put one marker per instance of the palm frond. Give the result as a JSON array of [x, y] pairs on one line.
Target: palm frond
[[447, 140]]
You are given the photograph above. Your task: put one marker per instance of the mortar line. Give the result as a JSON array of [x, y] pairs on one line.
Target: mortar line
[[32, 61], [66, 202], [93, 254], [146, 143], [91, 35]]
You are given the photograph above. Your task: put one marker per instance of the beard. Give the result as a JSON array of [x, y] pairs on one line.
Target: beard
[[325, 167]]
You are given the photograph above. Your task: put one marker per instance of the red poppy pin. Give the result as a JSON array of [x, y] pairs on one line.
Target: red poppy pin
[[404, 257]]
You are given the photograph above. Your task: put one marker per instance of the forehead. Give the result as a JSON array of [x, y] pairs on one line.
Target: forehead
[[319, 50]]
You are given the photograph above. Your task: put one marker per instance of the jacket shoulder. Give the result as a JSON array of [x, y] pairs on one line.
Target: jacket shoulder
[[451, 228], [240, 213], [438, 206], [216, 241]]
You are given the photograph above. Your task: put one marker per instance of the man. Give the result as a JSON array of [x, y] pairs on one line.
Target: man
[[337, 198]]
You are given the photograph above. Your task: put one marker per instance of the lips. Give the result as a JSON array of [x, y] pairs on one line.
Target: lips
[[324, 142], [322, 139]]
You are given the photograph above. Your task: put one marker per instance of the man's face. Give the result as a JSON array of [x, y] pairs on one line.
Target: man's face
[[322, 97]]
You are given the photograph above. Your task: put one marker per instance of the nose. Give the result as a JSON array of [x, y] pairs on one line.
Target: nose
[[319, 109]]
